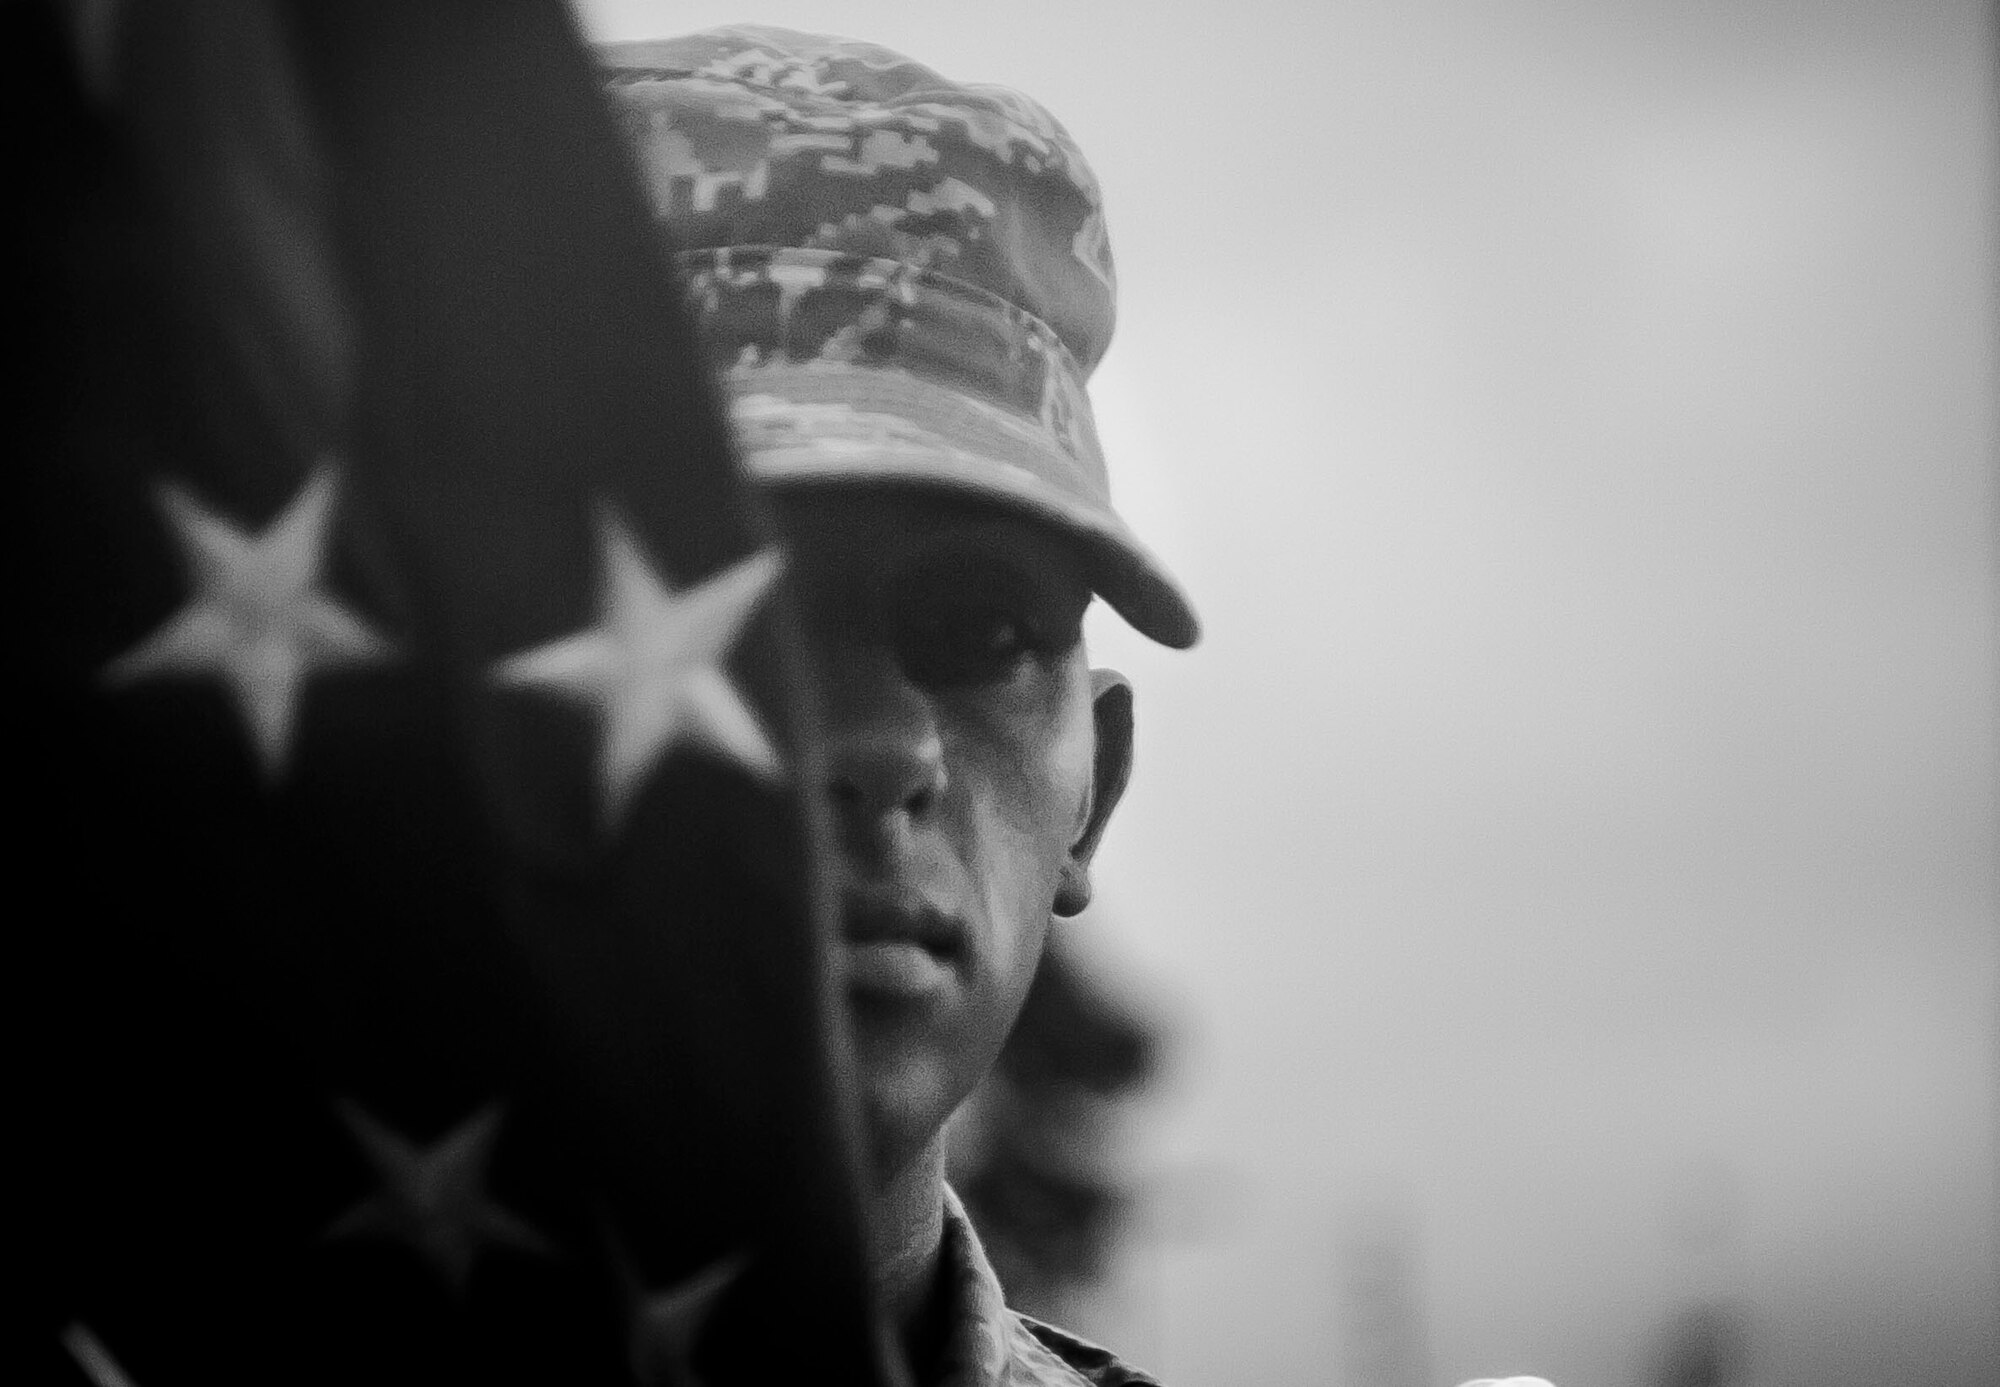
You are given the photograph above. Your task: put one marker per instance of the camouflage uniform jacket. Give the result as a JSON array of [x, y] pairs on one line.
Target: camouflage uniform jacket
[[991, 1346]]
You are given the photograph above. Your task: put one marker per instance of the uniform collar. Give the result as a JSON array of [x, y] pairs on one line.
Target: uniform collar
[[987, 1344]]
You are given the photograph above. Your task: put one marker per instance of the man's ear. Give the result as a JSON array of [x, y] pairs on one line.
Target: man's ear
[[1111, 708]]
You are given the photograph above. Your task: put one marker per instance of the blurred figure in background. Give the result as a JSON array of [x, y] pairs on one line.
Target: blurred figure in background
[[1038, 1151], [1706, 1345]]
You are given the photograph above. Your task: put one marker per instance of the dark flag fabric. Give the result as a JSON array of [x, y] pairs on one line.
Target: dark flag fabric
[[424, 976]]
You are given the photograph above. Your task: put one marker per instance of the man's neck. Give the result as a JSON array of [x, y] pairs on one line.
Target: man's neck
[[908, 1233]]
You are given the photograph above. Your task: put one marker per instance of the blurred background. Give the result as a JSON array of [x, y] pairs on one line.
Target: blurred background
[[1553, 928]]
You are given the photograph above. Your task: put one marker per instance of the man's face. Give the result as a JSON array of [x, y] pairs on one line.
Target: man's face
[[966, 775]]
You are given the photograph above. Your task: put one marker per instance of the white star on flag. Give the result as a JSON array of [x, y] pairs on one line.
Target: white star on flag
[[93, 1357], [652, 666], [258, 618], [667, 1324], [94, 30], [434, 1198]]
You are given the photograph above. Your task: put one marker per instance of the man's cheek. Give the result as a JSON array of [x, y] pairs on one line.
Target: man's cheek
[[1017, 866]]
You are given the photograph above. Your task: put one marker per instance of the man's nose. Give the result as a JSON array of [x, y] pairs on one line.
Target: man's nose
[[885, 756]]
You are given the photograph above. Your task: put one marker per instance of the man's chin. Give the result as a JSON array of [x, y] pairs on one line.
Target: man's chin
[[906, 1090]]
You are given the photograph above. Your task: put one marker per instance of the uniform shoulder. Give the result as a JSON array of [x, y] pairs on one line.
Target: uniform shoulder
[[1098, 1366]]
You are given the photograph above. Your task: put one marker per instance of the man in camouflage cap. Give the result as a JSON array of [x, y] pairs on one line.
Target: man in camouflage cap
[[905, 282]]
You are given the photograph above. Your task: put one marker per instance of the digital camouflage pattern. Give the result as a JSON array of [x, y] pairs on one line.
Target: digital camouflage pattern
[[992, 1346], [903, 279], [759, 136]]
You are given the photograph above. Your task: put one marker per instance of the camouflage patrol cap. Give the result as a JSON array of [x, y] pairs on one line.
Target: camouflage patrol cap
[[904, 280]]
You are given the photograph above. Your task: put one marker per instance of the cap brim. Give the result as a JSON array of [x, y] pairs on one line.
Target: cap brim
[[982, 455]]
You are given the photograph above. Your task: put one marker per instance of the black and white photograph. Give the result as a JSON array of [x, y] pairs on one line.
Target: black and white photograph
[[1092, 694]]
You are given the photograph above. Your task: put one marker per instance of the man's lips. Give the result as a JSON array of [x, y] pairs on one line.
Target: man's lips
[[900, 949], [873, 915]]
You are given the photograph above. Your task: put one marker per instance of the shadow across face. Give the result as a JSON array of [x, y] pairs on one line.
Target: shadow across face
[[966, 773]]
